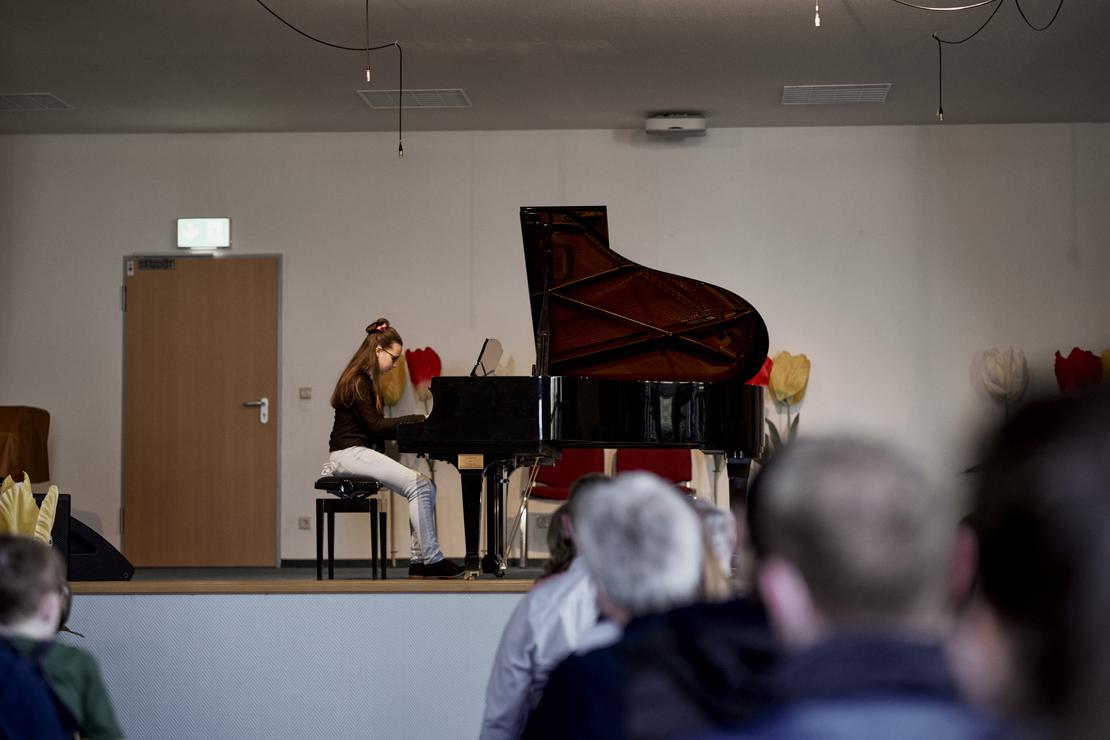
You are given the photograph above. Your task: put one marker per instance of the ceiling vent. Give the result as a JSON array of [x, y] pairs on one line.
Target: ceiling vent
[[32, 102], [834, 94], [449, 98]]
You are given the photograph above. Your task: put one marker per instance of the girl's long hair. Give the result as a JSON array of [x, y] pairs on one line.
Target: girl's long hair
[[353, 385]]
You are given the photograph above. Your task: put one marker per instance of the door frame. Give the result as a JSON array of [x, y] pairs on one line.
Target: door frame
[[123, 376]]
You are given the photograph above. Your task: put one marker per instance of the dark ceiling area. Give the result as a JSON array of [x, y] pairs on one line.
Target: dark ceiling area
[[231, 66]]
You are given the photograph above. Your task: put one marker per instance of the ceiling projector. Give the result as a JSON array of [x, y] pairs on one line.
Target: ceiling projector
[[676, 124]]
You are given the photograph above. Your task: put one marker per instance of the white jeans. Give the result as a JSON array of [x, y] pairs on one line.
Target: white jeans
[[414, 486]]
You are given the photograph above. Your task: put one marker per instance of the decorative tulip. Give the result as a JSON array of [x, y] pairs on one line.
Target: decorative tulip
[[1005, 374], [763, 377], [788, 378], [393, 383], [19, 514], [424, 364], [1079, 371]]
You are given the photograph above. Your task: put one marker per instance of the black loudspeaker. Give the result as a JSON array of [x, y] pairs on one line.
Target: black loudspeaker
[[87, 555], [92, 558]]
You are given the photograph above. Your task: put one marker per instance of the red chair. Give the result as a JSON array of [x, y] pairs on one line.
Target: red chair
[[672, 465], [553, 483]]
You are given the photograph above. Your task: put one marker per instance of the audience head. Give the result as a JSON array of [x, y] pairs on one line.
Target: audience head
[[560, 539], [560, 546], [850, 535], [642, 544], [32, 581], [1041, 515]]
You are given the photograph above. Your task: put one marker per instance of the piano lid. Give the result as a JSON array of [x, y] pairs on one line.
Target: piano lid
[[596, 313]]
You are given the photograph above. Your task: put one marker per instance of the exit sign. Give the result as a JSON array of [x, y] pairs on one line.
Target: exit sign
[[204, 233]]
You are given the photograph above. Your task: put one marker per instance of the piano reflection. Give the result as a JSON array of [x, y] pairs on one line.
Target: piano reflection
[[626, 356]]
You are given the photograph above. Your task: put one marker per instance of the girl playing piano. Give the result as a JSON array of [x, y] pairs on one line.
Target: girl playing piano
[[359, 426]]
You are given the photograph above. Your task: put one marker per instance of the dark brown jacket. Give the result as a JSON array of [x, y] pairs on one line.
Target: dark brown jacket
[[362, 425]]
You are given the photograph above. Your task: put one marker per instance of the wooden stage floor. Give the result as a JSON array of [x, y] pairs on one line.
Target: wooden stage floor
[[299, 580]]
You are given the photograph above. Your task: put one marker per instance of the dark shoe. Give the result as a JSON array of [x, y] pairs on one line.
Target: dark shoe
[[416, 570], [442, 569]]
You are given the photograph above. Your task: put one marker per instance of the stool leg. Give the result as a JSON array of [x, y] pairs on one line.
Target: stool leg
[[374, 538], [319, 539], [331, 544], [382, 520]]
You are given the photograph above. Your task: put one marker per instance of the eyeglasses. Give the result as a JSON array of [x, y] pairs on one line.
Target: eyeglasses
[[394, 356]]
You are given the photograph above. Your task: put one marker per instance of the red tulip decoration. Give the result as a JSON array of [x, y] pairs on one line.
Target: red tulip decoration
[[1080, 370], [763, 377], [423, 364]]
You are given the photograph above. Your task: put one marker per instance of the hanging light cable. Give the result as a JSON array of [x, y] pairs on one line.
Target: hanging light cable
[[368, 48], [941, 42], [367, 40], [940, 81]]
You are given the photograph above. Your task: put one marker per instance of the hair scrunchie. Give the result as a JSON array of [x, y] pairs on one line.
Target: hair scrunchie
[[379, 326]]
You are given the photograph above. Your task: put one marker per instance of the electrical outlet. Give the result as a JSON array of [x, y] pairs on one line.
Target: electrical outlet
[[304, 522], [305, 394], [543, 521]]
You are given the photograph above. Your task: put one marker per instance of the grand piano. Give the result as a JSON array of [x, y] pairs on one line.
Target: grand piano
[[626, 356]]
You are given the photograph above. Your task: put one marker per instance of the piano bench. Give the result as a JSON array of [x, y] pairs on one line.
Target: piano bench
[[355, 495]]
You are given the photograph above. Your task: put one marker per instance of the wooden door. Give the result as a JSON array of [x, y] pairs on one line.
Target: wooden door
[[199, 467]]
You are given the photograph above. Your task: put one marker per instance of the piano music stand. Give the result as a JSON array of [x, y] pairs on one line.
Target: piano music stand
[[488, 357]]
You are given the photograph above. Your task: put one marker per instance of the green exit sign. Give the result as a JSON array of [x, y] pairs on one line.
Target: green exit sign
[[204, 233]]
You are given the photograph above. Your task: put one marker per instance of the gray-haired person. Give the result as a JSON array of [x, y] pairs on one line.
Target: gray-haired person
[[643, 546], [554, 619]]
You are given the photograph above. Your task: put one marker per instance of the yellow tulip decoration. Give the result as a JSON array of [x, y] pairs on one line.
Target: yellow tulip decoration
[[788, 381], [20, 514]]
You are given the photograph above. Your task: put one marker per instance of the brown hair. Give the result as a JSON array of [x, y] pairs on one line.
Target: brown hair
[[560, 545], [29, 570], [352, 385]]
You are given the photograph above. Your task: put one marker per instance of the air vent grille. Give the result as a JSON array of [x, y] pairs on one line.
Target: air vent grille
[[834, 94], [448, 98], [16, 102]]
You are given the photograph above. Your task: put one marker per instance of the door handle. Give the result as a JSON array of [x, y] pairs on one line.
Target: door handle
[[263, 405]]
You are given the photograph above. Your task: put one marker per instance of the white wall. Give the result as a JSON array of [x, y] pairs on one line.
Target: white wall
[[889, 255]]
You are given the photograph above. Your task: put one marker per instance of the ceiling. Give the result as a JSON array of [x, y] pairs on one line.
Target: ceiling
[[229, 66]]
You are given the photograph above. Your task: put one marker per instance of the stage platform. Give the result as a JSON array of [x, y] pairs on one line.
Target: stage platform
[[252, 653], [296, 580]]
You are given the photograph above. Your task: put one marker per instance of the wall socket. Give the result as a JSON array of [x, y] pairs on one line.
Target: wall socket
[[304, 393], [304, 522]]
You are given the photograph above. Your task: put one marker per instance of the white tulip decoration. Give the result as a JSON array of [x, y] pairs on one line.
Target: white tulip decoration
[[1005, 375]]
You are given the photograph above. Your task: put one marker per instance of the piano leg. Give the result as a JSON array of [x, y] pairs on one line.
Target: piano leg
[[739, 470], [497, 485], [471, 481]]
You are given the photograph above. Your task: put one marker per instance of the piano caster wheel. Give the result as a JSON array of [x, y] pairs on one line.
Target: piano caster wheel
[[500, 572], [471, 575]]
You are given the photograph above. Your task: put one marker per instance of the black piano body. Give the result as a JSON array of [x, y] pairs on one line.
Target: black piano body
[[488, 426], [626, 357]]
